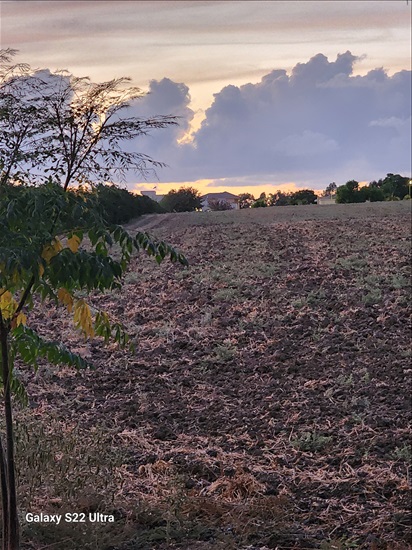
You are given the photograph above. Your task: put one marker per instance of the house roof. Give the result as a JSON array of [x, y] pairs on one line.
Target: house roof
[[223, 195]]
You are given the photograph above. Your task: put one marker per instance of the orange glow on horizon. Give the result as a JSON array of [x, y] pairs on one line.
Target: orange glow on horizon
[[218, 186]]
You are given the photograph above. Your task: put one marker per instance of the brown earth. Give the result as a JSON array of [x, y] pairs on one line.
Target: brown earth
[[267, 403]]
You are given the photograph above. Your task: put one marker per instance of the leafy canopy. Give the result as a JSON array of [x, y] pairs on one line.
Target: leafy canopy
[[56, 244], [186, 199]]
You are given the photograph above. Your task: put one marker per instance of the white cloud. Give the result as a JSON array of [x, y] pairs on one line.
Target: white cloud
[[308, 126]]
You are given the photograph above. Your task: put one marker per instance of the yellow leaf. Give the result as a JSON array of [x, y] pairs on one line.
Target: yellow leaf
[[73, 243], [21, 319], [65, 298], [41, 270], [8, 304], [52, 249], [83, 318]]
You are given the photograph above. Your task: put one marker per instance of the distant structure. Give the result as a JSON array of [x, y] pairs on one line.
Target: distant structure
[[152, 195], [231, 199], [329, 199]]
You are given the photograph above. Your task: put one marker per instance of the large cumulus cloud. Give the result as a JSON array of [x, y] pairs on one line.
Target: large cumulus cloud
[[317, 124]]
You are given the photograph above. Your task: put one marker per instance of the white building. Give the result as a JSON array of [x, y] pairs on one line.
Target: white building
[[152, 195]]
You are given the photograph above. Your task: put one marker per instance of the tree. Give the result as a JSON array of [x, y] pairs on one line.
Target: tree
[[219, 205], [279, 199], [186, 199], [330, 189], [395, 185], [120, 206], [261, 202], [349, 193], [303, 196], [70, 127], [55, 243], [246, 200]]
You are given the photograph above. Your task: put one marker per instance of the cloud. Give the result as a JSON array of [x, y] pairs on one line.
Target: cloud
[[311, 125]]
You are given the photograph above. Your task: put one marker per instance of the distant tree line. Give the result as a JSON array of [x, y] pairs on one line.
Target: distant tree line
[[303, 196], [393, 187], [120, 205]]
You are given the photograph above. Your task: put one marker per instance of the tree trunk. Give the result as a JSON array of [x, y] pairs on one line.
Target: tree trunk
[[4, 494], [11, 527]]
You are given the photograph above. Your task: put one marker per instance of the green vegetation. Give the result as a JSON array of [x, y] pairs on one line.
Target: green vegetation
[[186, 199], [392, 187], [121, 206], [55, 244]]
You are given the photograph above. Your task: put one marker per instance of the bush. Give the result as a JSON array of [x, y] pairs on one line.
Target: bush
[[375, 194], [121, 206], [260, 203]]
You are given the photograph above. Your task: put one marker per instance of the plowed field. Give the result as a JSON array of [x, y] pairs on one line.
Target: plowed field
[[267, 402]]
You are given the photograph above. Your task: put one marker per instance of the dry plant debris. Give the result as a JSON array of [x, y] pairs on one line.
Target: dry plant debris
[[267, 405]]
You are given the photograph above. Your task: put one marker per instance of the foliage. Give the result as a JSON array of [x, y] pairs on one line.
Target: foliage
[[120, 205], [279, 199], [55, 123], [348, 193], [186, 199], [374, 194], [392, 187], [303, 196], [261, 202], [330, 190], [56, 243], [246, 200]]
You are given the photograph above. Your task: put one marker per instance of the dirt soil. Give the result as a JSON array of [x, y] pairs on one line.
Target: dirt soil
[[267, 403]]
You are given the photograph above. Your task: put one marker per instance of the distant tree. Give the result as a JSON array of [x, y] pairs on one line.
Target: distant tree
[[246, 200], [303, 196], [349, 193], [395, 185], [279, 199], [374, 194], [219, 205], [330, 189], [261, 202], [186, 199], [352, 185]]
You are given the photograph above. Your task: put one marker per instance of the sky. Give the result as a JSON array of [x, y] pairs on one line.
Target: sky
[[271, 94]]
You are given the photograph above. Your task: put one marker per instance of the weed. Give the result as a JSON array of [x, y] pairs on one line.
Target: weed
[[311, 442], [72, 467], [316, 296], [399, 281], [345, 380], [403, 453], [358, 418], [352, 262], [372, 297], [225, 353]]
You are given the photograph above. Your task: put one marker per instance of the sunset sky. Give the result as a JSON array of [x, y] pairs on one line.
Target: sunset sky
[[273, 95]]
